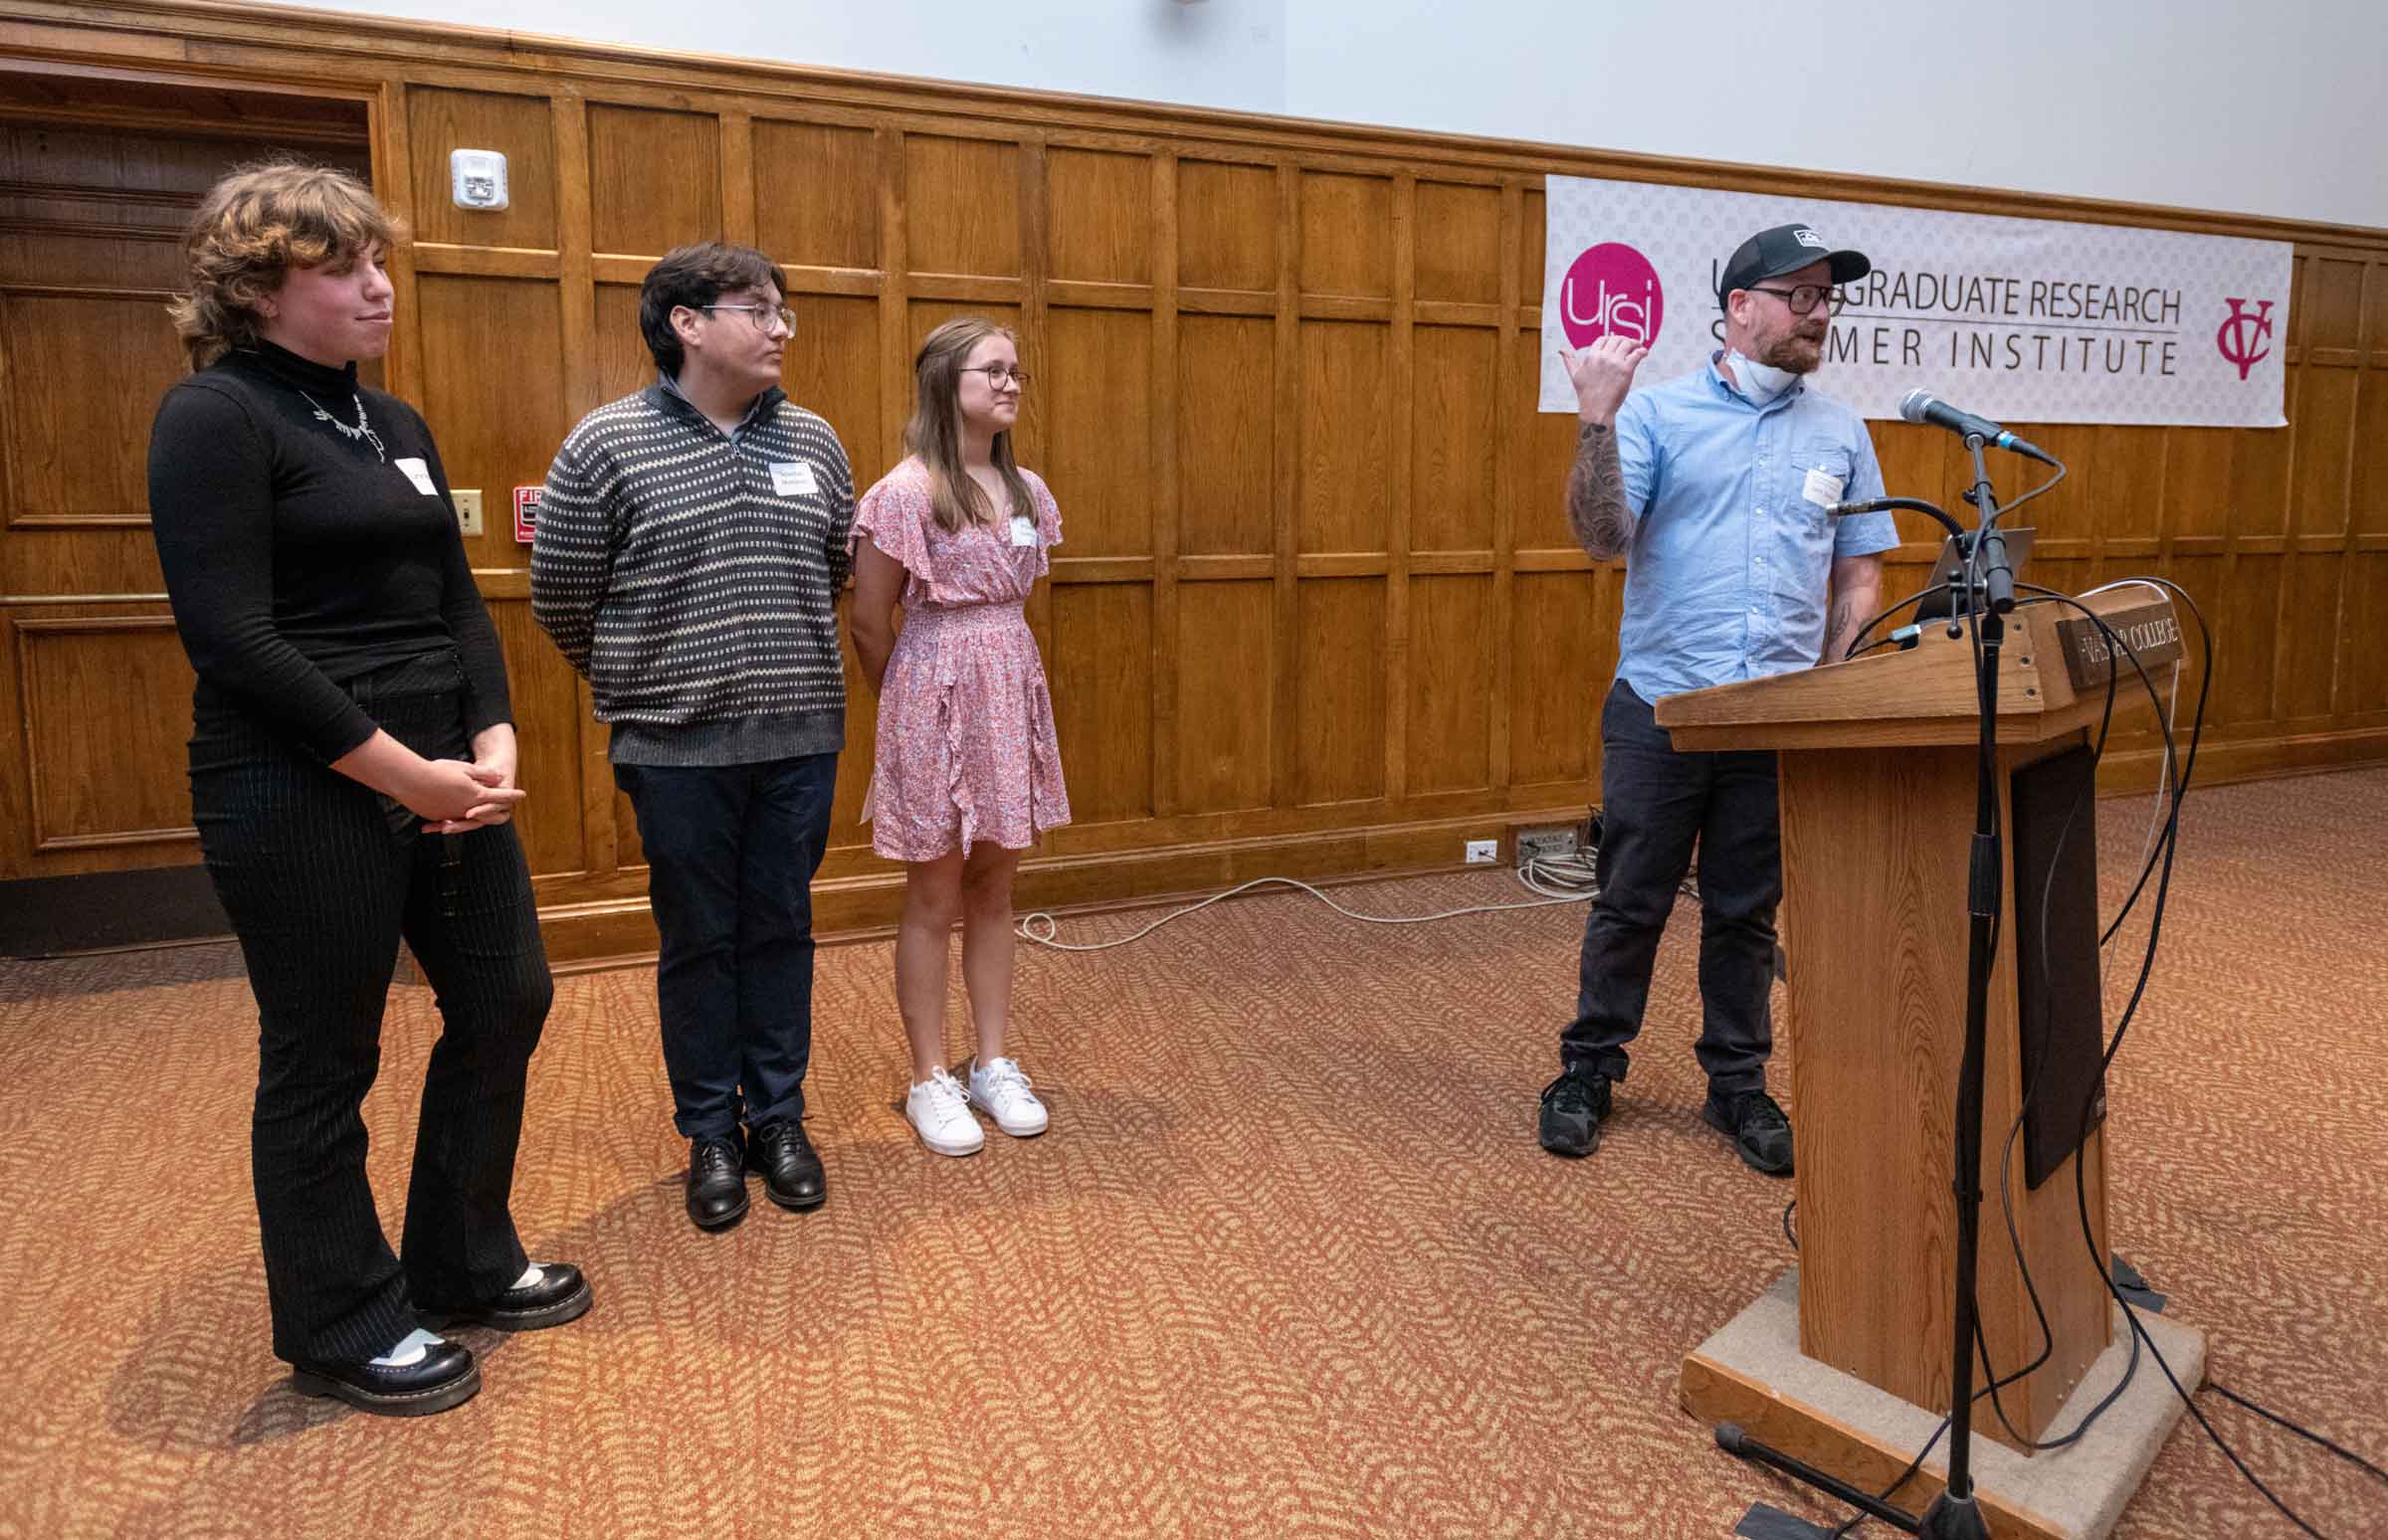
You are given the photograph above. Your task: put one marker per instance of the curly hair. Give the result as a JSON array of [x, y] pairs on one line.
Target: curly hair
[[256, 225]]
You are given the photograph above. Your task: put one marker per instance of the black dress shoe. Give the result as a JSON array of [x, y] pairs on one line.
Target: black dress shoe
[[717, 1183], [445, 1376], [560, 1295], [791, 1171], [1761, 1134]]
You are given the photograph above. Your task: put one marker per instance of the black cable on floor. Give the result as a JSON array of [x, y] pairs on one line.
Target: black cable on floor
[[2347, 1455]]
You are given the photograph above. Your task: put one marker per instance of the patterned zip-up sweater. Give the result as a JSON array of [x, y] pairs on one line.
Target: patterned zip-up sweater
[[693, 576]]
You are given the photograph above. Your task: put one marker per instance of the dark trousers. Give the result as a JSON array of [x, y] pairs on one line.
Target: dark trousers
[[1656, 805], [730, 854], [322, 876]]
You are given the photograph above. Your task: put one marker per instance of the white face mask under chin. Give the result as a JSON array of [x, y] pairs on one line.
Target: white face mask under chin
[[1761, 383]]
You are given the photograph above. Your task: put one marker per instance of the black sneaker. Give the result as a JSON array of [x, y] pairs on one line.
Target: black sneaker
[[1572, 1108], [1761, 1134]]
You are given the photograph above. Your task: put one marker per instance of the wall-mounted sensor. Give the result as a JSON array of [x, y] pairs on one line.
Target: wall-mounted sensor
[[478, 178]]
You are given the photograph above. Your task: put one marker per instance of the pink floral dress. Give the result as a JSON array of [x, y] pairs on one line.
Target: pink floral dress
[[965, 748]]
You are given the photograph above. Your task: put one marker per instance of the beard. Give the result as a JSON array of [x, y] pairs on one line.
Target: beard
[[1796, 352]]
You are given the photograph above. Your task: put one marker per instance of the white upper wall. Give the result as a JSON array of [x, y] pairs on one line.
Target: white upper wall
[[2256, 108], [1212, 53], [2205, 103]]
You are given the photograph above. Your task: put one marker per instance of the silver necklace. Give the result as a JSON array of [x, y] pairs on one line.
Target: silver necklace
[[363, 430]]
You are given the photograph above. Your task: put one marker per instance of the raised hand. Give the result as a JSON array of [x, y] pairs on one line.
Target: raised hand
[[1602, 374]]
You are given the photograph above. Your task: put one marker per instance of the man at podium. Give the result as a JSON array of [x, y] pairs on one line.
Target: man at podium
[[1714, 488]]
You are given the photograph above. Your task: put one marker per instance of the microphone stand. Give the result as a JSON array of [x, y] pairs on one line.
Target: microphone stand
[[1986, 590], [1956, 1514]]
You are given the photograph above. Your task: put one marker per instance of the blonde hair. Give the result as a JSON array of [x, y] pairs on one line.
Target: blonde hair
[[935, 435], [253, 226]]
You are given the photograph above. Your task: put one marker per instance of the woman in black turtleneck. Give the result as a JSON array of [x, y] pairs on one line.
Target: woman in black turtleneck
[[353, 777]]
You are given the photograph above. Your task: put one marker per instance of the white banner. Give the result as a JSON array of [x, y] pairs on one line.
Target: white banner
[[2023, 320]]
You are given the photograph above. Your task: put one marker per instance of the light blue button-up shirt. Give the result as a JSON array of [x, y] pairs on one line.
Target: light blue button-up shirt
[[1732, 557]]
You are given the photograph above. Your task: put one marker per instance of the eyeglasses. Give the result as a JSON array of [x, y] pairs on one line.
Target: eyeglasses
[[1805, 298], [998, 376], [762, 315]]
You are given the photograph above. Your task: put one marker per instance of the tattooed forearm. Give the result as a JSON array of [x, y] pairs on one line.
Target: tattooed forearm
[[1596, 508], [1838, 631], [1857, 592]]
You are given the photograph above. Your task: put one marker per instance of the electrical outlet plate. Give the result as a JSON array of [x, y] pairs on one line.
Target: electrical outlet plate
[[1554, 841], [467, 510], [1483, 853]]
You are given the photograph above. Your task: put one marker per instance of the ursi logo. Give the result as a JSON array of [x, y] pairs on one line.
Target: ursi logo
[[1611, 289], [2240, 335]]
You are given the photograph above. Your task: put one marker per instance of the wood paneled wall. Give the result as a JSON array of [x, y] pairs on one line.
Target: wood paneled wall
[[96, 180], [1317, 610]]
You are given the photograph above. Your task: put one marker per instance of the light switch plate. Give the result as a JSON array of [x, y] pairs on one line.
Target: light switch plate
[[468, 509]]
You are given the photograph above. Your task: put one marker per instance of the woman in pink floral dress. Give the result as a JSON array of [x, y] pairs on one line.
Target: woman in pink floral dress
[[968, 771]]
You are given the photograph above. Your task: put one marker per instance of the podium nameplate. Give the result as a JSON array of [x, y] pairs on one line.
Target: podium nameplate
[[2149, 630]]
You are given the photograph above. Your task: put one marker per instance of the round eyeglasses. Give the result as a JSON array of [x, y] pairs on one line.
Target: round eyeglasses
[[762, 315], [999, 375]]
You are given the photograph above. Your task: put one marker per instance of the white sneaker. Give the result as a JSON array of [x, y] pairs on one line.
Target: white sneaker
[[998, 1088], [940, 1115]]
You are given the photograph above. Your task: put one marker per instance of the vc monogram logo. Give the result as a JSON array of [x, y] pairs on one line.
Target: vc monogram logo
[[2242, 336], [1611, 289]]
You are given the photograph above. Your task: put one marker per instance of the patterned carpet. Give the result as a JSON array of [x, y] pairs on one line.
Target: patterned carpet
[[1290, 1262]]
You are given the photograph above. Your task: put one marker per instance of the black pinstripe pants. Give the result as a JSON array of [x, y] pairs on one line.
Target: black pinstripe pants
[[322, 878]]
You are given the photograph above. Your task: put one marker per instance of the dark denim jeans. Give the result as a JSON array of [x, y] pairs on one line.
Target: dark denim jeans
[[730, 854], [1656, 805]]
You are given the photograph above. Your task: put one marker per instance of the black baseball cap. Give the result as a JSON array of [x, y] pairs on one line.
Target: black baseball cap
[[1786, 249]]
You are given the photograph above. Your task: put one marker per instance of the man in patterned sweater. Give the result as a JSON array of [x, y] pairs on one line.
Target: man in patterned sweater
[[691, 542]]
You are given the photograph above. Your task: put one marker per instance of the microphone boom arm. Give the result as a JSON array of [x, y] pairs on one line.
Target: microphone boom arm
[[1913, 504]]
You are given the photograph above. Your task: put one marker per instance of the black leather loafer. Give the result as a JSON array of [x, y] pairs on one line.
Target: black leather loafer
[[791, 1171], [446, 1375], [717, 1188], [560, 1295]]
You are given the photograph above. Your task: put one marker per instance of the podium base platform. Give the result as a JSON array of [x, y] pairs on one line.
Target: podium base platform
[[1752, 1372]]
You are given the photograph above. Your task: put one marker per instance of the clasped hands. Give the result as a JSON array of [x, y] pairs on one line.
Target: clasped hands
[[457, 794]]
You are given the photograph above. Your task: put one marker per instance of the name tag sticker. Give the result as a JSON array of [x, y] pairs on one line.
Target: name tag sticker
[[792, 479], [418, 474], [1821, 489], [1024, 529]]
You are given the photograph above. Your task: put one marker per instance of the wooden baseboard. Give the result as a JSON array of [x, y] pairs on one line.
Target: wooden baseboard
[[617, 930], [2220, 761], [620, 931], [585, 933]]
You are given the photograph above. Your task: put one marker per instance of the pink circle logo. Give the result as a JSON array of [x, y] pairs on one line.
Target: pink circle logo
[[1611, 289]]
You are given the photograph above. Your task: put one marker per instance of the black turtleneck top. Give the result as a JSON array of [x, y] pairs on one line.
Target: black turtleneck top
[[298, 557]]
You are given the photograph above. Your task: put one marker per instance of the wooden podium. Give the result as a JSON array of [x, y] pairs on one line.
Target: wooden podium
[[1878, 760]]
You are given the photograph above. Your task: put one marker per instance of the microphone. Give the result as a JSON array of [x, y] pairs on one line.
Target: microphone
[[1876, 505], [1921, 406]]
